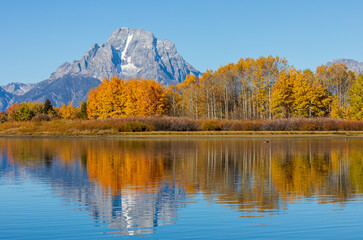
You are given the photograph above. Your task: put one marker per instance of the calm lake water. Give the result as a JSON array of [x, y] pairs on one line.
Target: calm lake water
[[181, 188]]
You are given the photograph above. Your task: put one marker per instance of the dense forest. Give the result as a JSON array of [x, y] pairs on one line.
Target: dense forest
[[251, 89]]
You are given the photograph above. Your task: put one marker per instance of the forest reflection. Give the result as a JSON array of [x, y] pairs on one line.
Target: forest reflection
[[247, 175]]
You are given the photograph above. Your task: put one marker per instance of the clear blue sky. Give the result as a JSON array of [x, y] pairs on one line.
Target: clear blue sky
[[38, 36]]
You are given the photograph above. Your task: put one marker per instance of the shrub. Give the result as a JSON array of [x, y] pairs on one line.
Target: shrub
[[293, 124], [3, 117], [330, 124], [24, 111], [135, 127], [247, 126], [163, 123], [252, 125], [236, 126], [309, 126], [211, 125], [350, 125], [41, 117], [274, 125]]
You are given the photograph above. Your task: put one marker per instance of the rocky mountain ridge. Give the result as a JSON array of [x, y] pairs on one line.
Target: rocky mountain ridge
[[128, 53], [18, 88], [350, 63]]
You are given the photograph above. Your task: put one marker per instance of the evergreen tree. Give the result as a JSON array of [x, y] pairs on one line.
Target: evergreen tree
[[83, 113], [48, 106]]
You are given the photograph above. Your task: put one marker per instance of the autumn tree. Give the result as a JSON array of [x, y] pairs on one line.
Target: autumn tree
[[69, 111], [209, 94], [282, 96], [355, 110], [144, 98], [24, 111], [244, 72], [122, 98], [265, 73], [297, 93], [174, 101], [190, 96], [226, 80], [11, 112], [337, 79], [310, 99]]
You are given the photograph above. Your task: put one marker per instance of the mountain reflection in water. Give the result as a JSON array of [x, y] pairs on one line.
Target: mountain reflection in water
[[135, 185]]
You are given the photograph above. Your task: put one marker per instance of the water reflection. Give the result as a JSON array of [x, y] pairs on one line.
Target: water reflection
[[136, 185]]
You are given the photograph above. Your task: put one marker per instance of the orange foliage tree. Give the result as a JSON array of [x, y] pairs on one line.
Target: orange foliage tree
[[123, 98], [69, 112]]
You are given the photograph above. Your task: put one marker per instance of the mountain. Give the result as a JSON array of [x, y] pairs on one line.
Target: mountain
[[18, 88], [128, 53], [9, 91], [68, 88], [350, 63], [131, 53], [5, 97]]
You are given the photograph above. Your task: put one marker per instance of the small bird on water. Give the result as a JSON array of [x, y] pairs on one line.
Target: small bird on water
[[266, 141]]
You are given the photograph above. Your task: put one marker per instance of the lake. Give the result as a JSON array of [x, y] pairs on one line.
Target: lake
[[181, 188]]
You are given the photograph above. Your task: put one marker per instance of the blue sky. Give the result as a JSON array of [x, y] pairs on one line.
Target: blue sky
[[38, 36]]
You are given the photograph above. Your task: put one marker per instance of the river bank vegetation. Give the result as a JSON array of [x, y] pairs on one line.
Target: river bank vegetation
[[264, 94], [164, 125]]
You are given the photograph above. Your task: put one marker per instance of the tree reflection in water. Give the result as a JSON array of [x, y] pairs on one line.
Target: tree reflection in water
[[137, 184]]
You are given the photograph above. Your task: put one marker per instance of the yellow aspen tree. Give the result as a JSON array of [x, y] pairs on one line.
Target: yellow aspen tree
[[207, 90], [320, 100], [244, 72], [173, 101], [190, 96], [337, 79], [355, 109], [282, 96], [310, 100]]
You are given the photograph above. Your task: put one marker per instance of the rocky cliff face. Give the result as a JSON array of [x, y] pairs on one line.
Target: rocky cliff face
[[5, 98], [68, 88], [350, 63], [128, 53]]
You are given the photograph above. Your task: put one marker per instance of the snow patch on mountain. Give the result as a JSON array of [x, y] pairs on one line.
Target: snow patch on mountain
[[128, 53]]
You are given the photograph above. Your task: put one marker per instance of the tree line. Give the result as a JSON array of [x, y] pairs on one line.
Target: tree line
[[267, 88], [36, 111], [251, 89]]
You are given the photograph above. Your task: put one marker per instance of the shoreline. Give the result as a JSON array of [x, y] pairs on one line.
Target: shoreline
[[195, 134]]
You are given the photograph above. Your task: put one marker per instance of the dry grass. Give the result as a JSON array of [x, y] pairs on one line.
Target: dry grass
[[169, 125]]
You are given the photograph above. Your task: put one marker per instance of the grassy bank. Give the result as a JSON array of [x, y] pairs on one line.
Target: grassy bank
[[182, 126]]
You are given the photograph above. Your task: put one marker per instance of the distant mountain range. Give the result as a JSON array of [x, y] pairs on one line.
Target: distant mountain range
[[350, 63], [128, 53], [5, 98]]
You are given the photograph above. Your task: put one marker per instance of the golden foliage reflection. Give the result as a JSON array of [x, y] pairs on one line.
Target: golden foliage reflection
[[249, 175]]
